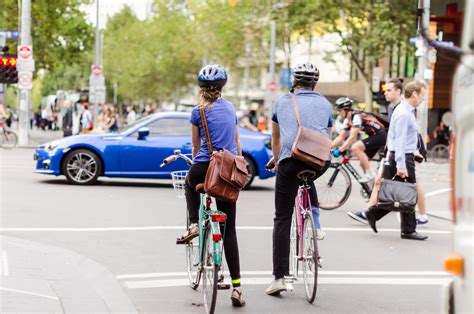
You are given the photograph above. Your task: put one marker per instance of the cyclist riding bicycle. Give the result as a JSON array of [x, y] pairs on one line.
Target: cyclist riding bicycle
[[316, 113], [222, 123], [354, 122]]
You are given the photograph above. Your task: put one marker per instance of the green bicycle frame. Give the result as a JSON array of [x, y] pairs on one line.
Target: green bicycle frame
[[205, 212]]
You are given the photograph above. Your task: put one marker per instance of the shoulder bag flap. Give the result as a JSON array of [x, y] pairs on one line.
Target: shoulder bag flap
[[312, 142]]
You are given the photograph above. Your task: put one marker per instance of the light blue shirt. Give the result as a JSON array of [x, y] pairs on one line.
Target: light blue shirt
[[402, 135], [315, 111]]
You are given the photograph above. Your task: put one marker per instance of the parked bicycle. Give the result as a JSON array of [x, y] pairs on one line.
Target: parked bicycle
[[335, 185], [204, 257], [439, 153], [303, 242], [8, 139]]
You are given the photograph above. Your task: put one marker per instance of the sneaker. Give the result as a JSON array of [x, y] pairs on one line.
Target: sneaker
[[320, 234], [277, 286], [421, 221], [359, 216], [236, 297], [367, 178]]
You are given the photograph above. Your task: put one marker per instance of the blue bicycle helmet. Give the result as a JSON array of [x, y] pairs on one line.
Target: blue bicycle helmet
[[212, 75]]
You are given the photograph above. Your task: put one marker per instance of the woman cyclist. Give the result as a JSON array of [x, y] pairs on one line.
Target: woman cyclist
[[222, 123]]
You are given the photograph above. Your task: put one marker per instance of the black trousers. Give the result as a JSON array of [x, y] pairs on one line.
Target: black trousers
[[408, 219], [196, 175], [286, 188]]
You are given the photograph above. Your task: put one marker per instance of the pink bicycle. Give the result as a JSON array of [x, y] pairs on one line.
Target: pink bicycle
[[303, 242]]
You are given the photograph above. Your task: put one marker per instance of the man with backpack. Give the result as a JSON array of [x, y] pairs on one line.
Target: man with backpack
[[354, 122]]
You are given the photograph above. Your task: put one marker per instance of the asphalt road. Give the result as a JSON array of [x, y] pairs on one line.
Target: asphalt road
[[126, 229]]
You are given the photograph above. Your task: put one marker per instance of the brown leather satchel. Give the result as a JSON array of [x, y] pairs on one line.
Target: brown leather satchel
[[310, 146], [227, 174]]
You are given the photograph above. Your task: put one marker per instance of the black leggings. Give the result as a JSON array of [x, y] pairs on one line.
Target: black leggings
[[196, 175], [286, 188]]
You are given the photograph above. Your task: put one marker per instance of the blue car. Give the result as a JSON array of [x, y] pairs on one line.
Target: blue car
[[138, 150]]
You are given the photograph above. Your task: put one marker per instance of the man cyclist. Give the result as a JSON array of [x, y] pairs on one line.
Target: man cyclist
[[316, 113], [355, 122]]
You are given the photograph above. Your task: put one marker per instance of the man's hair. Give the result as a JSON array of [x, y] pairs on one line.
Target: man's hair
[[415, 86], [397, 83]]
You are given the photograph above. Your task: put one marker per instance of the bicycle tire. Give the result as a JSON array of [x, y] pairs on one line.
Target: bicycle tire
[[440, 153], [333, 187], [192, 260], [310, 258], [210, 273], [294, 238], [9, 140]]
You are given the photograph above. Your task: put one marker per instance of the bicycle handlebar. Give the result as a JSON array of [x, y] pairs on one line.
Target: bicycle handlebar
[[177, 155]]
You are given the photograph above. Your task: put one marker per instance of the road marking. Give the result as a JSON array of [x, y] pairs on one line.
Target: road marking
[[437, 192], [166, 283], [5, 268], [29, 293], [154, 228], [322, 273]]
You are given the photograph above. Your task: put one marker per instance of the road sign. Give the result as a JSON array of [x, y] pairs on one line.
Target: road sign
[[272, 86], [97, 94], [25, 80], [26, 65], [9, 34], [96, 70], [25, 51]]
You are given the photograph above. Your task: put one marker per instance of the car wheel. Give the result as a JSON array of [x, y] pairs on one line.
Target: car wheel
[[82, 167], [252, 169]]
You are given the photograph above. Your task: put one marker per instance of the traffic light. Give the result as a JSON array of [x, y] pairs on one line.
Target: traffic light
[[379, 96], [8, 72]]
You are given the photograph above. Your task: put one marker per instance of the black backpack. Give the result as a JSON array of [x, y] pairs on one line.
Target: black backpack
[[377, 116]]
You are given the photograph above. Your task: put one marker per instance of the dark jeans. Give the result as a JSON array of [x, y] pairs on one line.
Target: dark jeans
[[408, 219], [286, 188], [196, 175]]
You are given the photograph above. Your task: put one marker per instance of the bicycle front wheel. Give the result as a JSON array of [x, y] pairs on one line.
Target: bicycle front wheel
[[333, 187], [192, 259], [294, 246], [310, 258], [210, 272], [9, 140]]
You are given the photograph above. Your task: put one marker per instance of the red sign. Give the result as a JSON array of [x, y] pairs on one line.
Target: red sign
[[96, 70], [24, 52], [272, 86]]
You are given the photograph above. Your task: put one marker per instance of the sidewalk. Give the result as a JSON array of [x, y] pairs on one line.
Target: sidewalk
[[41, 278], [37, 137]]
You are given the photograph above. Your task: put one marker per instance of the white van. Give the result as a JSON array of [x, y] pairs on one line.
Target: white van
[[461, 261]]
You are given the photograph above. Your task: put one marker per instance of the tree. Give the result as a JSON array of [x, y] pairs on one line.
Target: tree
[[367, 28]]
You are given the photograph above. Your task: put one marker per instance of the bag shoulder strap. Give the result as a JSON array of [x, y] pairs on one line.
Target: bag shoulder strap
[[297, 110], [206, 129]]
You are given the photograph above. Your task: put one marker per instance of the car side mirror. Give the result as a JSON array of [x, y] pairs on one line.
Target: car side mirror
[[143, 133]]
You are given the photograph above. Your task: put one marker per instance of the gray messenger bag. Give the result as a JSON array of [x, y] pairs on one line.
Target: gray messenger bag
[[398, 196]]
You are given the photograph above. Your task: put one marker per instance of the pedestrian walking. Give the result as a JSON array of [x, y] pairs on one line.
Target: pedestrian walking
[[67, 118], [87, 122], [131, 115], [402, 144]]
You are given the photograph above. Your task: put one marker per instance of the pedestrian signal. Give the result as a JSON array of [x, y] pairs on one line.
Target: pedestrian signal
[[8, 72]]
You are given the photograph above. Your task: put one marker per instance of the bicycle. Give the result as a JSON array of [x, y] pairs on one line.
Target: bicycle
[[8, 139], [303, 243], [204, 258], [335, 185]]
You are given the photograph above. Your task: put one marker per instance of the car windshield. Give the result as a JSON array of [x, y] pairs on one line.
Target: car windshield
[[124, 129]]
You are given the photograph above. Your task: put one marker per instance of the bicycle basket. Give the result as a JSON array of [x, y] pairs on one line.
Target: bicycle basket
[[178, 178]]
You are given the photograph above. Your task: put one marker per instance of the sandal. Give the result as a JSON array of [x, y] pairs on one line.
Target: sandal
[[236, 298], [191, 233]]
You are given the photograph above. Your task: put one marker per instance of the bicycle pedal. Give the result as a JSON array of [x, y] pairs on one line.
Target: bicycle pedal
[[223, 286], [320, 262]]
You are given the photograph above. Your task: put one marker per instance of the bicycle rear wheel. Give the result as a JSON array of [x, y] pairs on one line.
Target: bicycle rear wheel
[[440, 153], [9, 140], [334, 187], [294, 246], [310, 258], [210, 272]]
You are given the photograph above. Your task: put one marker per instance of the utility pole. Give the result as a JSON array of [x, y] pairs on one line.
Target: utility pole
[[25, 77], [270, 88], [423, 73], [97, 80]]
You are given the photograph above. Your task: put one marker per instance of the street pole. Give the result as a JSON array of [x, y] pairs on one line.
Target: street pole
[[270, 94], [24, 92], [423, 72], [97, 58]]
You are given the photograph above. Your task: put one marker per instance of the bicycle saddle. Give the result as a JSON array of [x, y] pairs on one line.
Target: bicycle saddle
[[306, 175], [200, 188]]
